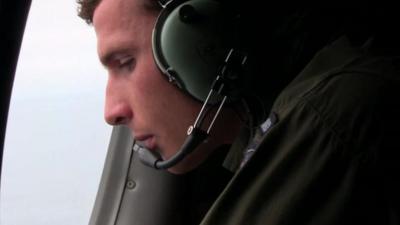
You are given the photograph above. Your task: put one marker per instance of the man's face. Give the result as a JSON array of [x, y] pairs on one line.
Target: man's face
[[137, 95]]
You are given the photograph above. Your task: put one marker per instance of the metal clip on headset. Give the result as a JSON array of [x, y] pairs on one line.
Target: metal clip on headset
[[195, 134]]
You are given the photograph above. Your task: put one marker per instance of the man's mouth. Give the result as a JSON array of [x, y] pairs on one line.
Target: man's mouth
[[146, 141]]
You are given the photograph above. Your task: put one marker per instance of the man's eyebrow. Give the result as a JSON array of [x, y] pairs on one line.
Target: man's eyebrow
[[110, 56]]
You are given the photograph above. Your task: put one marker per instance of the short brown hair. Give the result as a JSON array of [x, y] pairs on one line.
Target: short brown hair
[[86, 9]]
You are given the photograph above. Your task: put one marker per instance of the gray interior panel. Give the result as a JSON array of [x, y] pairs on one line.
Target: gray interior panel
[[131, 193]]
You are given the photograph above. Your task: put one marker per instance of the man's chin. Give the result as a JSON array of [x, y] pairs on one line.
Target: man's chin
[[188, 164], [179, 170]]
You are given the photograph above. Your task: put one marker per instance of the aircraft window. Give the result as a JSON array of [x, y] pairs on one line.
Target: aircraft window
[[56, 138]]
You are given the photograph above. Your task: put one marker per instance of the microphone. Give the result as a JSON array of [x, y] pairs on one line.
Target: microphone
[[150, 158], [195, 137]]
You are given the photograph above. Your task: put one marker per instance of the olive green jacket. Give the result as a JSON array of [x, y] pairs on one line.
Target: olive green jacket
[[332, 156]]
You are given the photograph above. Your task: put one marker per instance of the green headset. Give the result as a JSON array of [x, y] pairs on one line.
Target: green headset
[[191, 42], [194, 46]]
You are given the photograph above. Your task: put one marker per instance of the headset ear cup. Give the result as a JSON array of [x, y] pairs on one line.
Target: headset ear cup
[[190, 43]]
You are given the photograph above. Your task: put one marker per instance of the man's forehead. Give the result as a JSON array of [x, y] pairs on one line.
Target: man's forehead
[[116, 24], [127, 4], [109, 9]]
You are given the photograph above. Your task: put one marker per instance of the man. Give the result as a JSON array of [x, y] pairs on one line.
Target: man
[[327, 154], [157, 112], [137, 94]]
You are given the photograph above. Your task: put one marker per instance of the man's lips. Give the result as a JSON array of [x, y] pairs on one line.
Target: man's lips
[[146, 140]]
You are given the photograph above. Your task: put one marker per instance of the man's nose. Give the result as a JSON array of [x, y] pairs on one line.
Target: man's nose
[[117, 109]]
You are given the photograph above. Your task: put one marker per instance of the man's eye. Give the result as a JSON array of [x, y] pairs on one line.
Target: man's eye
[[126, 63]]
